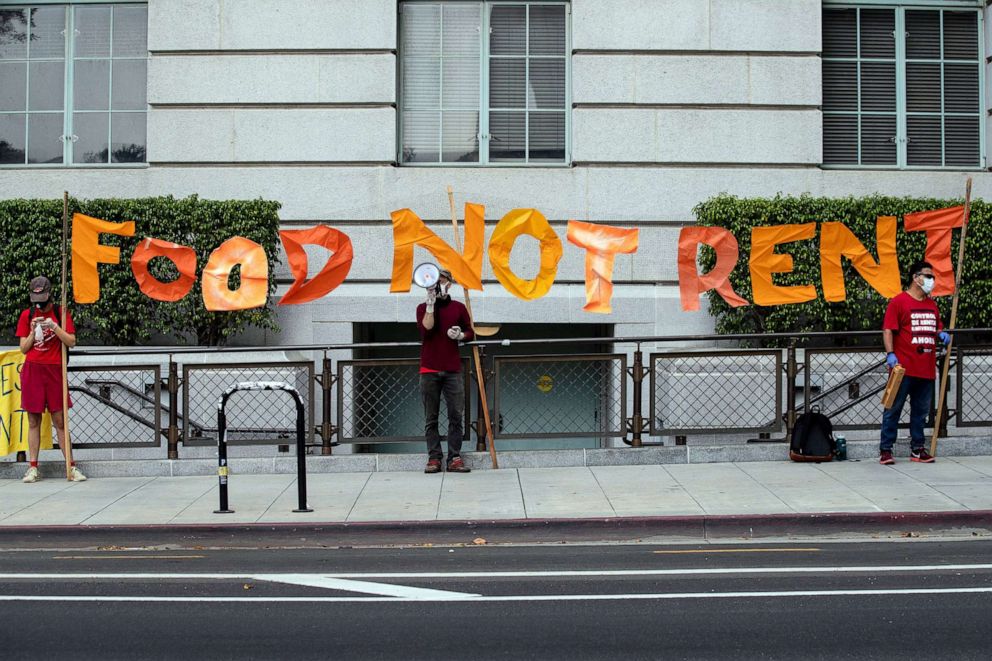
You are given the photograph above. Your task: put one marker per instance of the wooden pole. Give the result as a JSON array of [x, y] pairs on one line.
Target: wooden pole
[[66, 439], [953, 321], [475, 350]]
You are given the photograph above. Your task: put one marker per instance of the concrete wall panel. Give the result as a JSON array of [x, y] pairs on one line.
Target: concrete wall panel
[[623, 194], [640, 25], [272, 79], [760, 25], [718, 25], [184, 25], [329, 134], [696, 79], [696, 136], [271, 24]]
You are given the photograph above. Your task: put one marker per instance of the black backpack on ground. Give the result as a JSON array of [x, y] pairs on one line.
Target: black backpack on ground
[[812, 437]]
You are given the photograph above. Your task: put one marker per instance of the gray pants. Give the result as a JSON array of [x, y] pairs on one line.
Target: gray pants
[[452, 386]]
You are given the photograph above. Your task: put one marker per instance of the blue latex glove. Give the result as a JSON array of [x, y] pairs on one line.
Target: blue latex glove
[[891, 360], [944, 336]]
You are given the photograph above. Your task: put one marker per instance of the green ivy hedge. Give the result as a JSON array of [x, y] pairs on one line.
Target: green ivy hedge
[[32, 231], [864, 307]]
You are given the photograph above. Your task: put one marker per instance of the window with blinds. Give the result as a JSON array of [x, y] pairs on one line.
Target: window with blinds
[[902, 87], [483, 82]]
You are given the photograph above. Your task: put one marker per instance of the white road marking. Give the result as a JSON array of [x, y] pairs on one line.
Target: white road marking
[[540, 597], [519, 574], [384, 589]]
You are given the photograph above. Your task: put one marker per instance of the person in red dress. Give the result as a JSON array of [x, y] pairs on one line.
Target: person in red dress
[[910, 332], [42, 334]]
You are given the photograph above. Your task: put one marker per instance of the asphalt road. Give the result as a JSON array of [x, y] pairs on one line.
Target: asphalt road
[[808, 600]]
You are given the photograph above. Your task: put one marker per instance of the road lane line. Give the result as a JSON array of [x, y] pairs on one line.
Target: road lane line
[[126, 557], [795, 550], [505, 598], [382, 589], [517, 574]]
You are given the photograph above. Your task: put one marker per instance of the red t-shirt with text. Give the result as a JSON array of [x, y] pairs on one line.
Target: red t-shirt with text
[[49, 350], [914, 325]]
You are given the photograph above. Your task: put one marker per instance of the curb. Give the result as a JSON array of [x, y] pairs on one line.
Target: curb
[[976, 523]]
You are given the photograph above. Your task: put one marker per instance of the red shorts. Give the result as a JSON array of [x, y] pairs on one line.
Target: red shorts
[[41, 387]]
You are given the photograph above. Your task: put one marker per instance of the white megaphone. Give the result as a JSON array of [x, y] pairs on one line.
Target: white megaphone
[[426, 275]]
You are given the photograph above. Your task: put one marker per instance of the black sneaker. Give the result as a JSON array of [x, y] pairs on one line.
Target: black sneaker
[[921, 456]]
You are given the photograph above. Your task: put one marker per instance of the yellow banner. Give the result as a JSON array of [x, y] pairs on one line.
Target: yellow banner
[[13, 419]]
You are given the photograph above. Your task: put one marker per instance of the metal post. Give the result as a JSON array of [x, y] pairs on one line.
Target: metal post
[[326, 427], [222, 456], [480, 428], [636, 424], [301, 454], [791, 371], [173, 431], [301, 440]]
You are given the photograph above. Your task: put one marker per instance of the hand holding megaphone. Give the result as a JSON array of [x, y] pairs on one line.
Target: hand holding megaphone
[[426, 275]]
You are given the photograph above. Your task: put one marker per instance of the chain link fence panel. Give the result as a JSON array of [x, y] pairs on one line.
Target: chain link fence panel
[[716, 391], [379, 401], [253, 417], [974, 394], [847, 386], [560, 396], [118, 407]]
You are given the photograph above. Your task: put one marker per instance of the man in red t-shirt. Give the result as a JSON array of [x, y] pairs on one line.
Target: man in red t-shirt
[[443, 323], [910, 332], [41, 339]]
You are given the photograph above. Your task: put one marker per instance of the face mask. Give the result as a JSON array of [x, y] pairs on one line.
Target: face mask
[[927, 284]]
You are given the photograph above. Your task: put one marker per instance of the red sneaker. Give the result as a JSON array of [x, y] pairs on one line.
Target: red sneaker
[[921, 456], [885, 458], [433, 466], [456, 465]]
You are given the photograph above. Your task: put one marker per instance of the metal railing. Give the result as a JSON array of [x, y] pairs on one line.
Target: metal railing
[[710, 391]]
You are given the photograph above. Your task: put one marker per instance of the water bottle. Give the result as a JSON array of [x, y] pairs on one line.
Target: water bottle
[[841, 451]]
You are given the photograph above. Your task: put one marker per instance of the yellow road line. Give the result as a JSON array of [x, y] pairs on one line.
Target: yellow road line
[[785, 550], [126, 557]]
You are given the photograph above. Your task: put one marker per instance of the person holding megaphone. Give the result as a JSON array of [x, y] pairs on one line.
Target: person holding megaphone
[[442, 323]]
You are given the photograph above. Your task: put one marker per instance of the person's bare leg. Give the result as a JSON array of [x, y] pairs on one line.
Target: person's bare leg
[[58, 426], [34, 436]]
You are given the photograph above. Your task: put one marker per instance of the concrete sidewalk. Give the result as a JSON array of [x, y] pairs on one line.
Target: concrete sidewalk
[[956, 487]]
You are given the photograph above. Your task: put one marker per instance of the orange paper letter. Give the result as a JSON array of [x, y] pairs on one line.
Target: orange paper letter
[[836, 240], [601, 243], [691, 284], [183, 257], [765, 261], [334, 271], [409, 230], [254, 289], [938, 225], [87, 253], [511, 226]]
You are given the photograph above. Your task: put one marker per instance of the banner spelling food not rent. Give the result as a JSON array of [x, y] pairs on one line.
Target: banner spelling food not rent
[[13, 419]]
